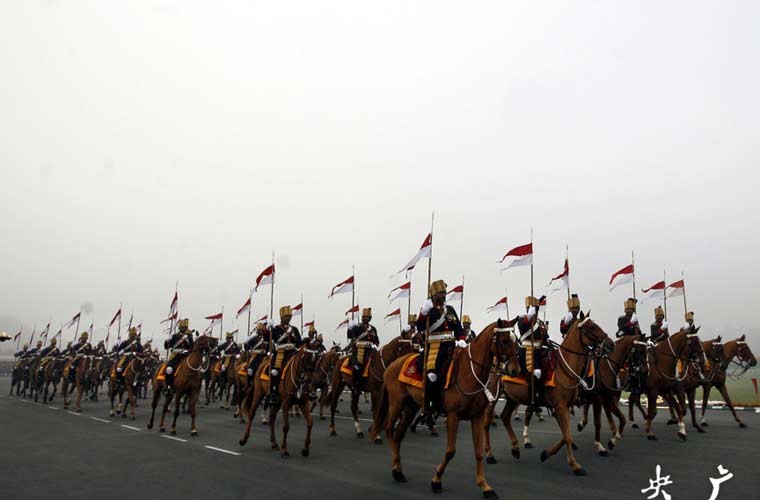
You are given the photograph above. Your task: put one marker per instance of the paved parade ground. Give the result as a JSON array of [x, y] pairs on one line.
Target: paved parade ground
[[48, 452]]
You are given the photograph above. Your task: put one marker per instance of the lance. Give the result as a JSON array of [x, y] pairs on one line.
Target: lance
[[685, 310], [533, 360], [427, 319], [665, 294], [271, 303]]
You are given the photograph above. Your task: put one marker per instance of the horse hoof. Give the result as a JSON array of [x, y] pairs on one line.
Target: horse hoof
[[242, 442], [528, 445], [700, 430], [333, 433], [490, 494], [398, 476], [111, 413], [133, 417], [494, 424], [413, 429], [173, 432], [149, 426], [516, 453], [78, 410], [378, 441], [672, 421], [580, 471], [194, 433], [490, 460], [544, 456], [741, 424], [360, 435], [604, 453], [437, 487], [434, 434], [574, 447], [275, 446], [652, 438], [305, 452], [580, 427], [610, 444], [682, 436], [162, 430], [705, 424], [634, 426], [285, 454]]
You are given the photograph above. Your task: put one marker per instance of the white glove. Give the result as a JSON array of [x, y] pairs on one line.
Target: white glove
[[460, 343], [537, 373], [686, 326], [635, 319], [664, 325], [352, 323], [568, 318], [531, 312], [427, 306]]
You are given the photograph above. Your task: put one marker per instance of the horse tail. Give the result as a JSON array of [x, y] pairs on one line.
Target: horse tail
[[248, 400], [381, 413]]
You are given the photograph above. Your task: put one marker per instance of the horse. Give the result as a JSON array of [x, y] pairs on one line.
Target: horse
[[19, 377], [662, 379], [294, 383], [574, 356], [376, 365], [187, 382], [209, 377], [128, 382], [466, 398], [82, 379], [612, 375], [52, 374], [323, 374]]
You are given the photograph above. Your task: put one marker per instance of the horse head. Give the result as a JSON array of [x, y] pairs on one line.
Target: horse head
[[592, 336], [693, 351], [744, 353], [204, 343], [504, 345]]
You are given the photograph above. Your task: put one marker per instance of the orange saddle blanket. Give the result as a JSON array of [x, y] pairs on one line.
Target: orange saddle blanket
[[411, 375], [345, 369]]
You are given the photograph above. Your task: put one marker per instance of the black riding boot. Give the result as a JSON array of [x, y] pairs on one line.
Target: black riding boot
[[274, 389]]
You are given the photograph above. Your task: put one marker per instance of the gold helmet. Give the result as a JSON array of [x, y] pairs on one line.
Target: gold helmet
[[133, 332], [630, 304], [367, 311], [466, 319], [229, 335], [437, 287], [53, 342], [312, 329], [412, 319], [574, 302], [531, 301], [84, 336], [659, 312], [184, 324], [261, 327], [39, 344], [689, 316], [286, 311]]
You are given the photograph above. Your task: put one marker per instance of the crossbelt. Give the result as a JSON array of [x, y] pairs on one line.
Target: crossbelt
[[441, 336]]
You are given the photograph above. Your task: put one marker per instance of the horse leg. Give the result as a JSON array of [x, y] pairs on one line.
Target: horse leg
[[506, 416], [452, 426], [177, 404], [526, 437], [651, 413], [284, 453], [563, 419], [705, 398], [272, 417], [404, 417], [374, 433], [306, 411], [692, 409], [671, 399], [335, 393], [601, 451], [132, 403], [80, 389], [487, 434], [153, 404], [631, 403], [724, 392], [194, 395], [612, 410], [355, 412]]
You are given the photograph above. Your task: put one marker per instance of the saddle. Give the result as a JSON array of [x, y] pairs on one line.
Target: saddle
[[411, 374], [345, 366]]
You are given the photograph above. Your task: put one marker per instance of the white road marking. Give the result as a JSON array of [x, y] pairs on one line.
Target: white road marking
[[130, 427], [351, 418], [101, 420], [74, 413], [223, 450], [174, 438], [53, 407]]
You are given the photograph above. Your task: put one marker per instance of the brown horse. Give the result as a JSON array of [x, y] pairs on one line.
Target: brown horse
[[295, 383], [128, 382], [377, 363], [466, 398], [53, 372], [322, 376], [611, 376], [82, 381], [574, 356], [187, 383]]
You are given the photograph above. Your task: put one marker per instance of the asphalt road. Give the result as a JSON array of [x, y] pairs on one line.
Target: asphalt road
[[47, 452]]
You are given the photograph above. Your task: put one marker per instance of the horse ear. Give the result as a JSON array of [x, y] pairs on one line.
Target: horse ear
[[581, 316], [499, 323], [697, 329], [743, 337], [718, 339]]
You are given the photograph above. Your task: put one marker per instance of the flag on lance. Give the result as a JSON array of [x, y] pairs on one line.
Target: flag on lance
[[215, 317], [455, 294], [243, 309], [115, 318], [297, 310], [173, 305], [354, 309], [344, 286], [16, 337], [561, 281], [542, 304], [170, 318], [499, 302], [45, 332], [518, 256], [308, 325], [73, 320], [263, 319], [402, 291], [621, 277], [266, 276], [424, 252], [342, 324], [91, 329], [393, 315], [676, 289], [656, 291]]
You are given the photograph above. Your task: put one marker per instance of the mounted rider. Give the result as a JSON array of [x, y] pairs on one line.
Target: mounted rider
[[31, 353], [658, 331], [179, 345], [21, 355], [445, 331], [534, 346], [362, 337], [314, 335], [628, 324], [573, 309], [48, 353], [78, 350], [257, 345], [227, 351], [469, 334], [127, 349], [285, 340], [689, 326]]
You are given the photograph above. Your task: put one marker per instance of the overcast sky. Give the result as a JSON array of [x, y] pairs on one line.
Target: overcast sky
[[149, 142]]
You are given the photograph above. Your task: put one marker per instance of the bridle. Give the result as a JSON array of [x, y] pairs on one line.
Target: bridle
[[588, 355]]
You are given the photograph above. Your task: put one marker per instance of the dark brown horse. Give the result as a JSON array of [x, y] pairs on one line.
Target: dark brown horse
[[573, 359], [83, 378], [377, 364], [52, 376], [295, 384], [734, 349], [128, 382], [466, 398], [322, 376], [187, 383]]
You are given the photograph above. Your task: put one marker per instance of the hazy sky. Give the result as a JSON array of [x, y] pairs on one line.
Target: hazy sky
[[149, 142]]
